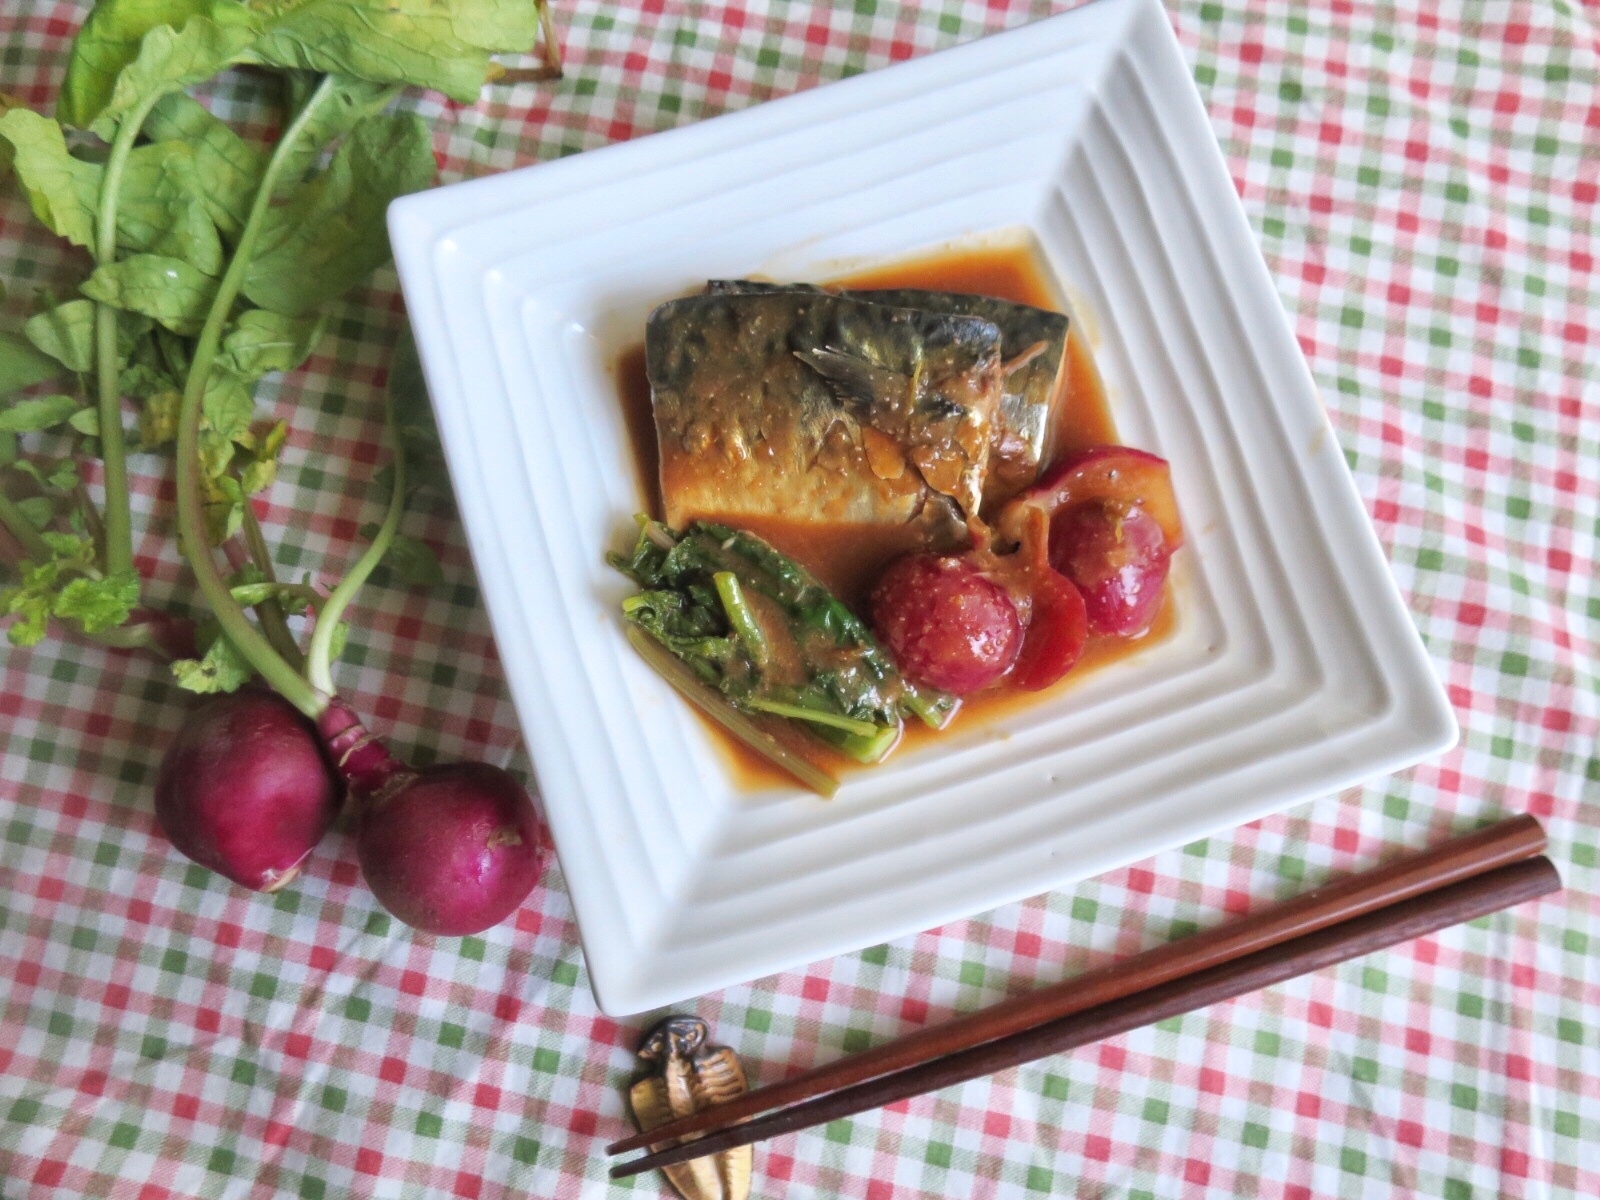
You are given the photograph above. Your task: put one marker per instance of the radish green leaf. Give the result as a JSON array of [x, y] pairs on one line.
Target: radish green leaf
[[262, 340], [162, 208], [228, 166], [165, 289], [22, 364], [108, 42], [35, 413], [330, 235], [423, 43], [61, 190], [222, 669], [65, 333]]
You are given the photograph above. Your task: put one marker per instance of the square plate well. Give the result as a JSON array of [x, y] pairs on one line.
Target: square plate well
[[1294, 669]]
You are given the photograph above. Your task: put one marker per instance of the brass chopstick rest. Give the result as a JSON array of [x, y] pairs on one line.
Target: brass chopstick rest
[[688, 1076]]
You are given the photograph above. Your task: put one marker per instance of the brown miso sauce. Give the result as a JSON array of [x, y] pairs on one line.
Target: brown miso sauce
[[847, 558], [633, 386]]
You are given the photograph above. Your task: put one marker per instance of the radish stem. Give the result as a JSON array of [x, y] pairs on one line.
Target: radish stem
[[319, 657], [19, 527], [797, 712], [552, 45], [716, 706], [269, 610], [743, 620], [92, 521], [119, 512], [236, 626]]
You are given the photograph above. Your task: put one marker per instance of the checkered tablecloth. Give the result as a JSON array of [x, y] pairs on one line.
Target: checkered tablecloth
[[1424, 186]]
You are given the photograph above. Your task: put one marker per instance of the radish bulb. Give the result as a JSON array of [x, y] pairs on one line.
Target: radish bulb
[[450, 849], [245, 789]]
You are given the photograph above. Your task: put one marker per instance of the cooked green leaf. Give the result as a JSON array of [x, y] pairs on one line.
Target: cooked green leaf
[[36, 413], [106, 43], [330, 235], [719, 709], [166, 289], [262, 340], [61, 190], [65, 333], [161, 207], [228, 166], [22, 364], [686, 608], [424, 43]]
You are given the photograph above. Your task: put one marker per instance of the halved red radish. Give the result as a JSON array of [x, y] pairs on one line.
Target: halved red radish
[[1118, 475]]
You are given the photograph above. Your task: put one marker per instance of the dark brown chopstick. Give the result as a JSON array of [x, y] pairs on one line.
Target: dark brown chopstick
[[1459, 858], [1388, 926]]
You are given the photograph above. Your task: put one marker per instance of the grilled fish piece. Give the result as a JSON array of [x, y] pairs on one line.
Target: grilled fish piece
[[822, 408], [1034, 349]]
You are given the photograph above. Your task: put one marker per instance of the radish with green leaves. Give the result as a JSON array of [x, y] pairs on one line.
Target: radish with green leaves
[[212, 257], [449, 849]]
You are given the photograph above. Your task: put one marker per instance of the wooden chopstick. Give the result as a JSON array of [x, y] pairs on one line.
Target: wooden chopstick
[[1390, 925], [1458, 858]]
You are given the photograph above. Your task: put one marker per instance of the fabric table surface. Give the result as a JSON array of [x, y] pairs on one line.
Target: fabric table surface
[[1423, 184]]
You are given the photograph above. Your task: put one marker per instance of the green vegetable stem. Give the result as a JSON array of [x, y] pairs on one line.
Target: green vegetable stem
[[213, 261]]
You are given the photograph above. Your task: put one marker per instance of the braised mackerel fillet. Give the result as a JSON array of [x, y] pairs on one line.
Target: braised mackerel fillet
[[1033, 349], [822, 408]]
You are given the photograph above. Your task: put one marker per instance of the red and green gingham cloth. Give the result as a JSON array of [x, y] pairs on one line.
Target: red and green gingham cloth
[[1423, 180]]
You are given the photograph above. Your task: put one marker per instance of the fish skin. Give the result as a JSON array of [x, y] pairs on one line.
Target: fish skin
[[767, 404], [1023, 427]]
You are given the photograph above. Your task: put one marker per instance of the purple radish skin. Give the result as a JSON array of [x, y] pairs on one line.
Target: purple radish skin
[[449, 850], [245, 789], [454, 851], [1119, 558]]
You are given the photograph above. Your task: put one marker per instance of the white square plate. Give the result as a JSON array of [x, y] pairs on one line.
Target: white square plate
[[1294, 670]]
